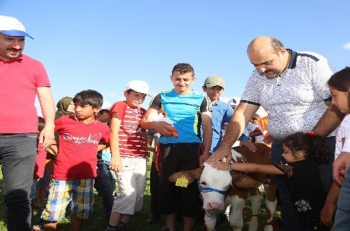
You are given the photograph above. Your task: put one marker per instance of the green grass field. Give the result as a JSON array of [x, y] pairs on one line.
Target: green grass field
[[99, 223]]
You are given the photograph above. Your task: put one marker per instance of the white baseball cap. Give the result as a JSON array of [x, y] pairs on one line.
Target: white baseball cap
[[11, 26], [138, 85]]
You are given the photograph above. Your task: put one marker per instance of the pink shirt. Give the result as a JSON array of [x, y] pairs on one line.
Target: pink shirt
[[19, 80], [77, 151]]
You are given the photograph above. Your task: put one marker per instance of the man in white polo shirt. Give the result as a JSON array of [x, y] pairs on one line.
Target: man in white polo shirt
[[291, 87]]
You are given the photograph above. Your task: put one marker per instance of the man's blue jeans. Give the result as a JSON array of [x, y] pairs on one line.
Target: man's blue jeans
[[105, 185], [17, 154], [290, 219], [342, 215]]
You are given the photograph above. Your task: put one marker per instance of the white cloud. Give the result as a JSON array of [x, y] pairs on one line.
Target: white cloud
[[106, 104], [347, 46], [224, 99]]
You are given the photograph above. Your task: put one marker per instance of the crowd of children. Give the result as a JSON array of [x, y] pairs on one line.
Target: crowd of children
[[120, 138]]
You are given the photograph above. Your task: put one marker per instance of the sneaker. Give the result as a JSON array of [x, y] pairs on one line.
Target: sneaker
[[152, 220], [123, 227], [110, 229]]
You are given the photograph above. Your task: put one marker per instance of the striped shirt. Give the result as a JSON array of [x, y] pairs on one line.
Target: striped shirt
[[132, 139]]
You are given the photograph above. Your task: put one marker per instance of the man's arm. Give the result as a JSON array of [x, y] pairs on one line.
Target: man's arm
[[329, 121], [207, 135], [234, 129], [47, 105]]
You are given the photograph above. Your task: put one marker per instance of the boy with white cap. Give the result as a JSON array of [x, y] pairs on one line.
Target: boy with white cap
[[22, 78], [129, 154]]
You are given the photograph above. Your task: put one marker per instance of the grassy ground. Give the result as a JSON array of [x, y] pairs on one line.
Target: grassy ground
[[99, 223]]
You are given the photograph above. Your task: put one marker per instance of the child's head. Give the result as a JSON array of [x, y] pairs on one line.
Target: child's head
[[41, 123], [182, 77], [233, 103], [103, 116], [300, 146], [65, 106], [87, 104], [136, 92], [214, 86], [339, 86], [255, 119]]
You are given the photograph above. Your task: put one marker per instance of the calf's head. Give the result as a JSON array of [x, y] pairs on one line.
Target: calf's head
[[213, 186]]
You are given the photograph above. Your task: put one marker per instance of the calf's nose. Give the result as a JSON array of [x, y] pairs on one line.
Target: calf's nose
[[214, 205]]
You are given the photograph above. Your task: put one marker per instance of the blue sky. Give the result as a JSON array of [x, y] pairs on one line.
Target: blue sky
[[102, 45]]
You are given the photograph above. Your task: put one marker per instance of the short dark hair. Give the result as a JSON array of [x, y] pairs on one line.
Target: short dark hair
[[88, 97], [41, 123], [314, 146], [340, 81], [256, 117], [276, 45], [183, 68], [103, 111]]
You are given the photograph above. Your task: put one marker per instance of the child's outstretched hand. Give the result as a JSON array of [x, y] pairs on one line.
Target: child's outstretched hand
[[220, 165]]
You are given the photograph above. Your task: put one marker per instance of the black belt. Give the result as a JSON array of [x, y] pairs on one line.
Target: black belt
[[15, 134]]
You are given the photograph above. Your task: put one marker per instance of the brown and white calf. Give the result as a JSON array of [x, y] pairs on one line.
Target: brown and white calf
[[220, 189]]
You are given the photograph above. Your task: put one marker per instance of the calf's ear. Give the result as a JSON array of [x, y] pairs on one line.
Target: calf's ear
[[190, 175], [243, 181]]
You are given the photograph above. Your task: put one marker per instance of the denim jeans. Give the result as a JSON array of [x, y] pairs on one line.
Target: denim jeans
[[105, 185], [342, 215], [17, 154], [290, 219]]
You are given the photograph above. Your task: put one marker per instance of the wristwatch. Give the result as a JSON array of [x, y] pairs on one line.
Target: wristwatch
[[229, 167]]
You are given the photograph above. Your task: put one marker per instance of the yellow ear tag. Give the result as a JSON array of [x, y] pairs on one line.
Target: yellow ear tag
[[182, 182]]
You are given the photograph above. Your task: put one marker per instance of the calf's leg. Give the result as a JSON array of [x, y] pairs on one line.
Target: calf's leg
[[236, 215], [255, 200]]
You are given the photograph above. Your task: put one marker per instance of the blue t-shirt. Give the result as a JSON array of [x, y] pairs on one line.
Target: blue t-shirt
[[221, 114], [184, 111], [106, 155]]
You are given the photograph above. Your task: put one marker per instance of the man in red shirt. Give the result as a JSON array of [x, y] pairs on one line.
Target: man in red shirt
[[21, 79]]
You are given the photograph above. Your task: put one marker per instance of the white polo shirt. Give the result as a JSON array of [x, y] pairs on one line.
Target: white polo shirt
[[295, 100]]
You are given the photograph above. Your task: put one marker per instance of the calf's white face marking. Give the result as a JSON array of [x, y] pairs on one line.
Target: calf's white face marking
[[217, 180]]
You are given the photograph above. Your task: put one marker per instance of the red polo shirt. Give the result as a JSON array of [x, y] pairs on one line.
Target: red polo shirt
[[19, 80]]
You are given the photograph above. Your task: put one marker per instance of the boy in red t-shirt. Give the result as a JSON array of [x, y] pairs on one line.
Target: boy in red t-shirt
[[75, 165], [129, 154]]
